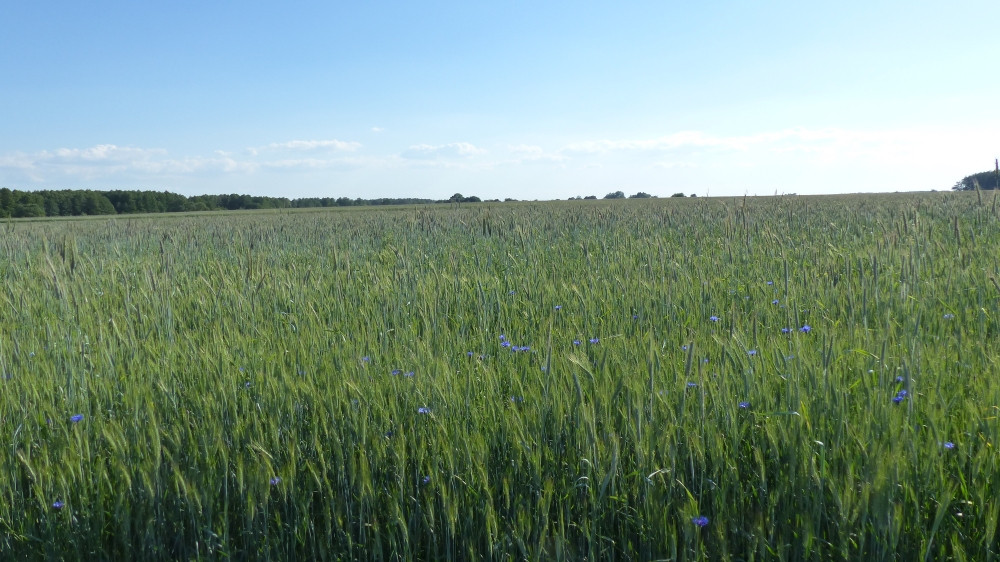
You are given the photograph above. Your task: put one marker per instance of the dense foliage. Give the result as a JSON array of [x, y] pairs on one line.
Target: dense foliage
[[807, 378], [985, 180], [67, 202]]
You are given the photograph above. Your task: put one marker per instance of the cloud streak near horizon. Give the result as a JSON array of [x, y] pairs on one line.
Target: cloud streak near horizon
[[107, 164]]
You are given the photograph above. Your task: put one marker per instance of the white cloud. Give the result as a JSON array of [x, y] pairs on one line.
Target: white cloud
[[315, 145], [450, 150], [377, 129]]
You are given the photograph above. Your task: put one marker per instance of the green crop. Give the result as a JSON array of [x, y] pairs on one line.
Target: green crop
[[797, 378]]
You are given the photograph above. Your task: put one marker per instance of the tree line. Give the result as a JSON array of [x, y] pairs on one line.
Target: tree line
[[989, 179], [76, 202]]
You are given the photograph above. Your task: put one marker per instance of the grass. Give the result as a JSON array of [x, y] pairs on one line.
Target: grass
[[235, 377]]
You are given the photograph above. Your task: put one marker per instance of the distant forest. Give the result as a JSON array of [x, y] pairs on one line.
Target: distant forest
[[986, 180], [72, 202]]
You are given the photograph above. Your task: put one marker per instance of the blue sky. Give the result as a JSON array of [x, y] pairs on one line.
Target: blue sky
[[530, 100]]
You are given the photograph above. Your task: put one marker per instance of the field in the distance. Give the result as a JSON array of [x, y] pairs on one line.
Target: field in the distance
[[800, 378]]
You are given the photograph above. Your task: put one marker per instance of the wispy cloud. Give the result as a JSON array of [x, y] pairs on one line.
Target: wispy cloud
[[311, 145], [887, 159], [450, 150]]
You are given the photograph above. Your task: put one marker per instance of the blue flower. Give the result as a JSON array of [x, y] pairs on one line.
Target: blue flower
[[516, 399], [396, 371], [752, 352], [469, 354], [76, 418], [713, 318], [423, 410], [744, 405], [503, 337], [366, 359], [775, 301], [770, 282], [786, 330], [58, 505], [902, 393], [805, 329], [505, 344], [525, 348], [635, 317], [700, 521], [275, 481], [692, 384], [558, 307], [409, 374], [900, 378], [577, 342], [949, 316], [898, 399], [515, 348], [595, 340], [246, 384], [511, 293], [949, 445], [425, 480], [684, 348]]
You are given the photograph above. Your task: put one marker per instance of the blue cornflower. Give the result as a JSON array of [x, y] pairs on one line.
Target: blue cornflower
[[900, 378], [744, 405], [58, 505], [525, 348], [396, 371], [692, 384], [515, 348], [76, 418], [949, 316], [503, 337], [700, 521], [423, 410], [409, 374], [246, 384], [595, 340], [275, 481], [775, 301], [684, 348], [577, 342], [516, 399], [770, 282], [558, 307], [505, 344], [713, 318], [635, 317], [898, 399], [786, 330], [366, 359], [469, 354], [511, 293], [949, 445], [752, 352], [425, 480], [902, 393], [805, 329]]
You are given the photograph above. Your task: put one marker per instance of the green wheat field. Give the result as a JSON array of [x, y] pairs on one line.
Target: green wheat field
[[786, 378]]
